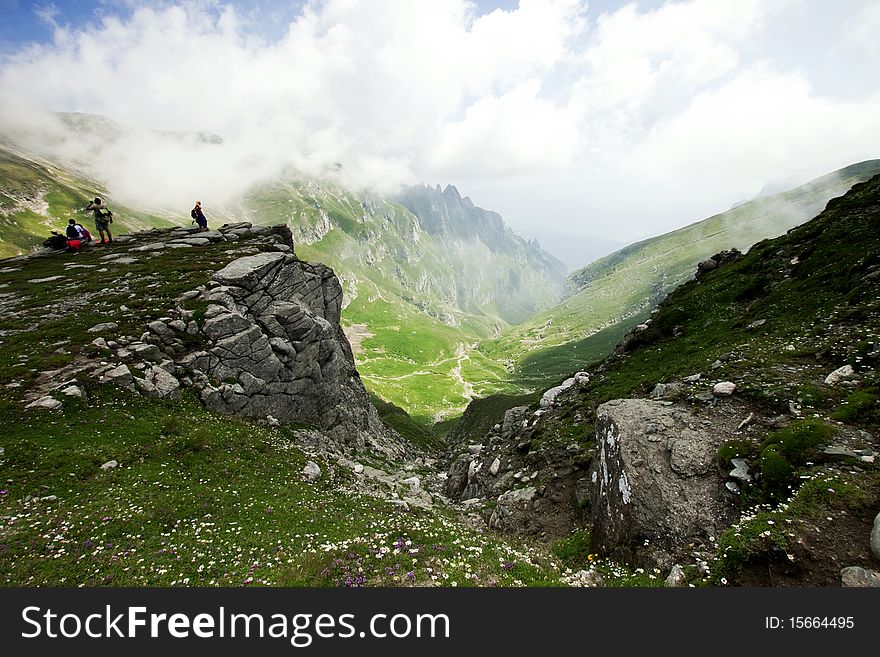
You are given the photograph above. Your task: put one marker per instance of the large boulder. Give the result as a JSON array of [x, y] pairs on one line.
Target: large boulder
[[275, 348], [656, 487]]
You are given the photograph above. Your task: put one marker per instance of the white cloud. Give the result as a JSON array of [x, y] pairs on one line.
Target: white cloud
[[755, 128], [865, 27], [367, 83], [544, 106]]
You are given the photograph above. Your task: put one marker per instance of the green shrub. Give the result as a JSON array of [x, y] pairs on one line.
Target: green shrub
[[858, 405], [777, 473], [796, 441]]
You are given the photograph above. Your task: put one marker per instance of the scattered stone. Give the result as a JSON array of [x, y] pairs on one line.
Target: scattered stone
[[513, 509], [732, 486], [475, 449], [840, 374], [667, 391], [574, 448], [120, 376], [550, 396], [48, 279], [585, 578], [839, 452], [676, 577], [312, 471], [413, 482], [74, 391], [47, 402], [693, 378], [757, 324], [496, 465], [104, 327], [859, 577], [740, 470], [746, 422], [272, 421], [717, 364], [724, 389], [109, 465], [49, 498]]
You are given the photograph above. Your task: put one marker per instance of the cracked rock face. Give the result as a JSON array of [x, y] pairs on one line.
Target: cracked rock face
[[655, 485], [275, 347]]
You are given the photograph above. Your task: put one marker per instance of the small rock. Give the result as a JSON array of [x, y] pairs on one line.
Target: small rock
[[746, 422], [104, 327], [109, 465], [74, 391], [676, 577], [358, 468], [100, 343], [733, 487], [839, 452], [49, 498], [400, 504], [724, 389], [740, 470], [413, 482], [840, 374], [48, 279], [574, 448], [312, 471], [272, 421], [717, 364], [46, 402], [496, 465], [693, 378], [859, 577], [475, 449], [666, 390], [757, 324]]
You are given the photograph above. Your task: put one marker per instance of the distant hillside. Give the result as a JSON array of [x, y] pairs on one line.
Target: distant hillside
[[736, 435], [37, 196], [420, 288], [617, 291]]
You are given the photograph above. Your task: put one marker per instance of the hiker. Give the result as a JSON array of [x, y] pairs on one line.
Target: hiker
[[76, 235], [197, 214], [103, 219]]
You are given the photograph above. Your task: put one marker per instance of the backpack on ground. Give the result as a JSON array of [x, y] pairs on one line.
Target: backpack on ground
[[56, 241]]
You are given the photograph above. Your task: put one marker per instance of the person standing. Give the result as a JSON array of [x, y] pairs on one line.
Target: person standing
[[197, 214], [103, 219]]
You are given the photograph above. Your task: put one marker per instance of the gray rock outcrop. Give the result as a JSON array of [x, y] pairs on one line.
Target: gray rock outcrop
[[655, 483], [275, 348]]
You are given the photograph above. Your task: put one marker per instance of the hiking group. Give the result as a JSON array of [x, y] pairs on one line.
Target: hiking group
[[77, 235]]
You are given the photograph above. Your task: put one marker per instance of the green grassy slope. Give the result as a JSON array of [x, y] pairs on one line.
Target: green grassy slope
[[615, 293], [197, 498], [37, 197]]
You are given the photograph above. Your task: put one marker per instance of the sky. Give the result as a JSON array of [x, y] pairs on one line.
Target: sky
[[585, 124]]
